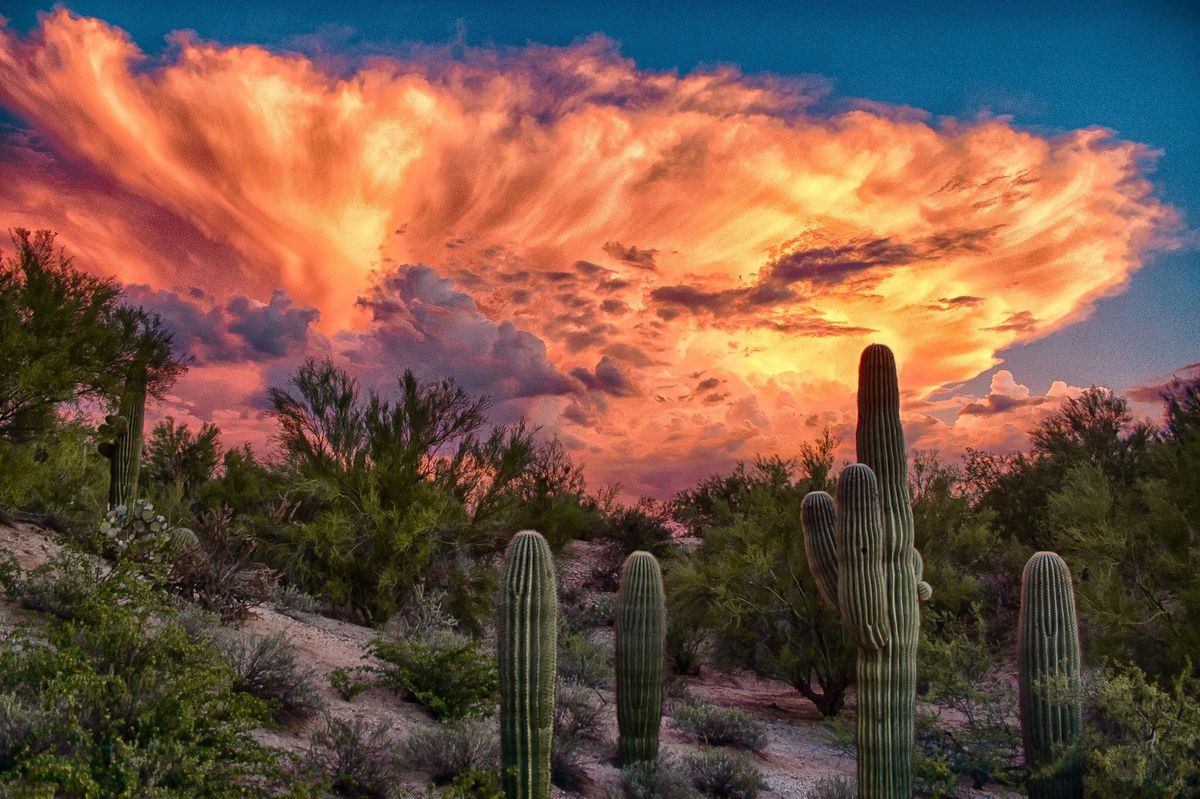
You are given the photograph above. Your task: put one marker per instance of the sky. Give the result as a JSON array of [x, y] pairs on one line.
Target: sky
[[663, 235]]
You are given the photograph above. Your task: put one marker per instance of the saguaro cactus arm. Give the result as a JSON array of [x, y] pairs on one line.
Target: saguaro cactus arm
[[924, 589], [819, 520], [861, 579], [526, 643], [641, 633]]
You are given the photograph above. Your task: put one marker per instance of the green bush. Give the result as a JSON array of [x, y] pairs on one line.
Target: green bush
[[356, 759], [60, 587], [719, 726], [447, 751], [474, 784], [965, 728], [56, 474], [578, 718], [119, 701], [834, 788], [584, 662], [1142, 740], [665, 778], [266, 667], [725, 774], [451, 675], [346, 685]]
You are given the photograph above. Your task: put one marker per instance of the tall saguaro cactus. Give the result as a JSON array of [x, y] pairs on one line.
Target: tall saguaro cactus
[[641, 632], [864, 563], [124, 450], [1048, 662], [526, 643]]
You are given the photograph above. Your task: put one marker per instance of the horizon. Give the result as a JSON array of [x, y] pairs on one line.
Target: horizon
[[668, 264]]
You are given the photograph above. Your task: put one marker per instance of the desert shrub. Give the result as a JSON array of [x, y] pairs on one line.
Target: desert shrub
[[266, 667], [582, 661], [1142, 740], [578, 717], [59, 587], [665, 778], [349, 683], [56, 475], [451, 675], [176, 457], [291, 600], [834, 788], [967, 728], [581, 615], [423, 615], [221, 572], [644, 525], [474, 784], [749, 584], [119, 701], [357, 759], [726, 774], [719, 726], [448, 750]]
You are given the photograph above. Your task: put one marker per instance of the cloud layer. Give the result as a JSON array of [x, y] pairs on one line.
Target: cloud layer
[[670, 271]]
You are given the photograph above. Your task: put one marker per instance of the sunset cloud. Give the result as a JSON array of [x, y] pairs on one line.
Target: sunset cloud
[[576, 236]]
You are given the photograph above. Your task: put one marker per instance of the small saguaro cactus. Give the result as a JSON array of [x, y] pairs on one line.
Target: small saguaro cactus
[[862, 559], [1048, 663], [641, 625], [526, 643], [123, 446]]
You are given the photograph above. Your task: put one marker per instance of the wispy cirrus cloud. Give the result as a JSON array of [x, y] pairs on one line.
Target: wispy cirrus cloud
[[566, 231]]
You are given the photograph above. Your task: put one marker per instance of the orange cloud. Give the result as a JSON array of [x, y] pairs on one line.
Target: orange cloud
[[606, 239]]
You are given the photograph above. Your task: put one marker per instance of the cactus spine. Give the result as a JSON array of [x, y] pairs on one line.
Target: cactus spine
[[864, 563], [1048, 659], [124, 450], [526, 643], [641, 632]]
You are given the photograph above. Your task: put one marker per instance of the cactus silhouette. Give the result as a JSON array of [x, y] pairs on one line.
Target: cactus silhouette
[[862, 558], [641, 632], [124, 445], [527, 637], [1048, 661]]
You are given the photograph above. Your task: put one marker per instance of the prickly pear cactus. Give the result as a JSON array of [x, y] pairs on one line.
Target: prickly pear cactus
[[526, 643], [1048, 664], [641, 633], [862, 558]]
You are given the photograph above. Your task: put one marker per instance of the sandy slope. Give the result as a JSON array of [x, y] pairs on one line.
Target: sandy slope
[[796, 757]]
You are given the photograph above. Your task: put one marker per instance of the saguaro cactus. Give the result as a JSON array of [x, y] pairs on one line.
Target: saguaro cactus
[[1048, 662], [863, 561], [526, 643], [124, 449], [641, 624]]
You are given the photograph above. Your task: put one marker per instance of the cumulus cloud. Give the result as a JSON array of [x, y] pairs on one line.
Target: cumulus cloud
[[590, 233]]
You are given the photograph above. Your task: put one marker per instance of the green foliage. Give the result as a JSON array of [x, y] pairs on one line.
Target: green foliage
[[579, 717], [833, 788], [357, 760], [965, 727], [714, 725], [119, 701], [175, 456], [749, 585], [60, 587], [582, 661], [450, 675], [1142, 739], [447, 751], [390, 493], [474, 784], [266, 667], [346, 685], [641, 526], [54, 472], [664, 778], [725, 774]]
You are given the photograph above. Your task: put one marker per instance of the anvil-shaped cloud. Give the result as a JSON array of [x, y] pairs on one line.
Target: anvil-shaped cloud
[[668, 271]]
